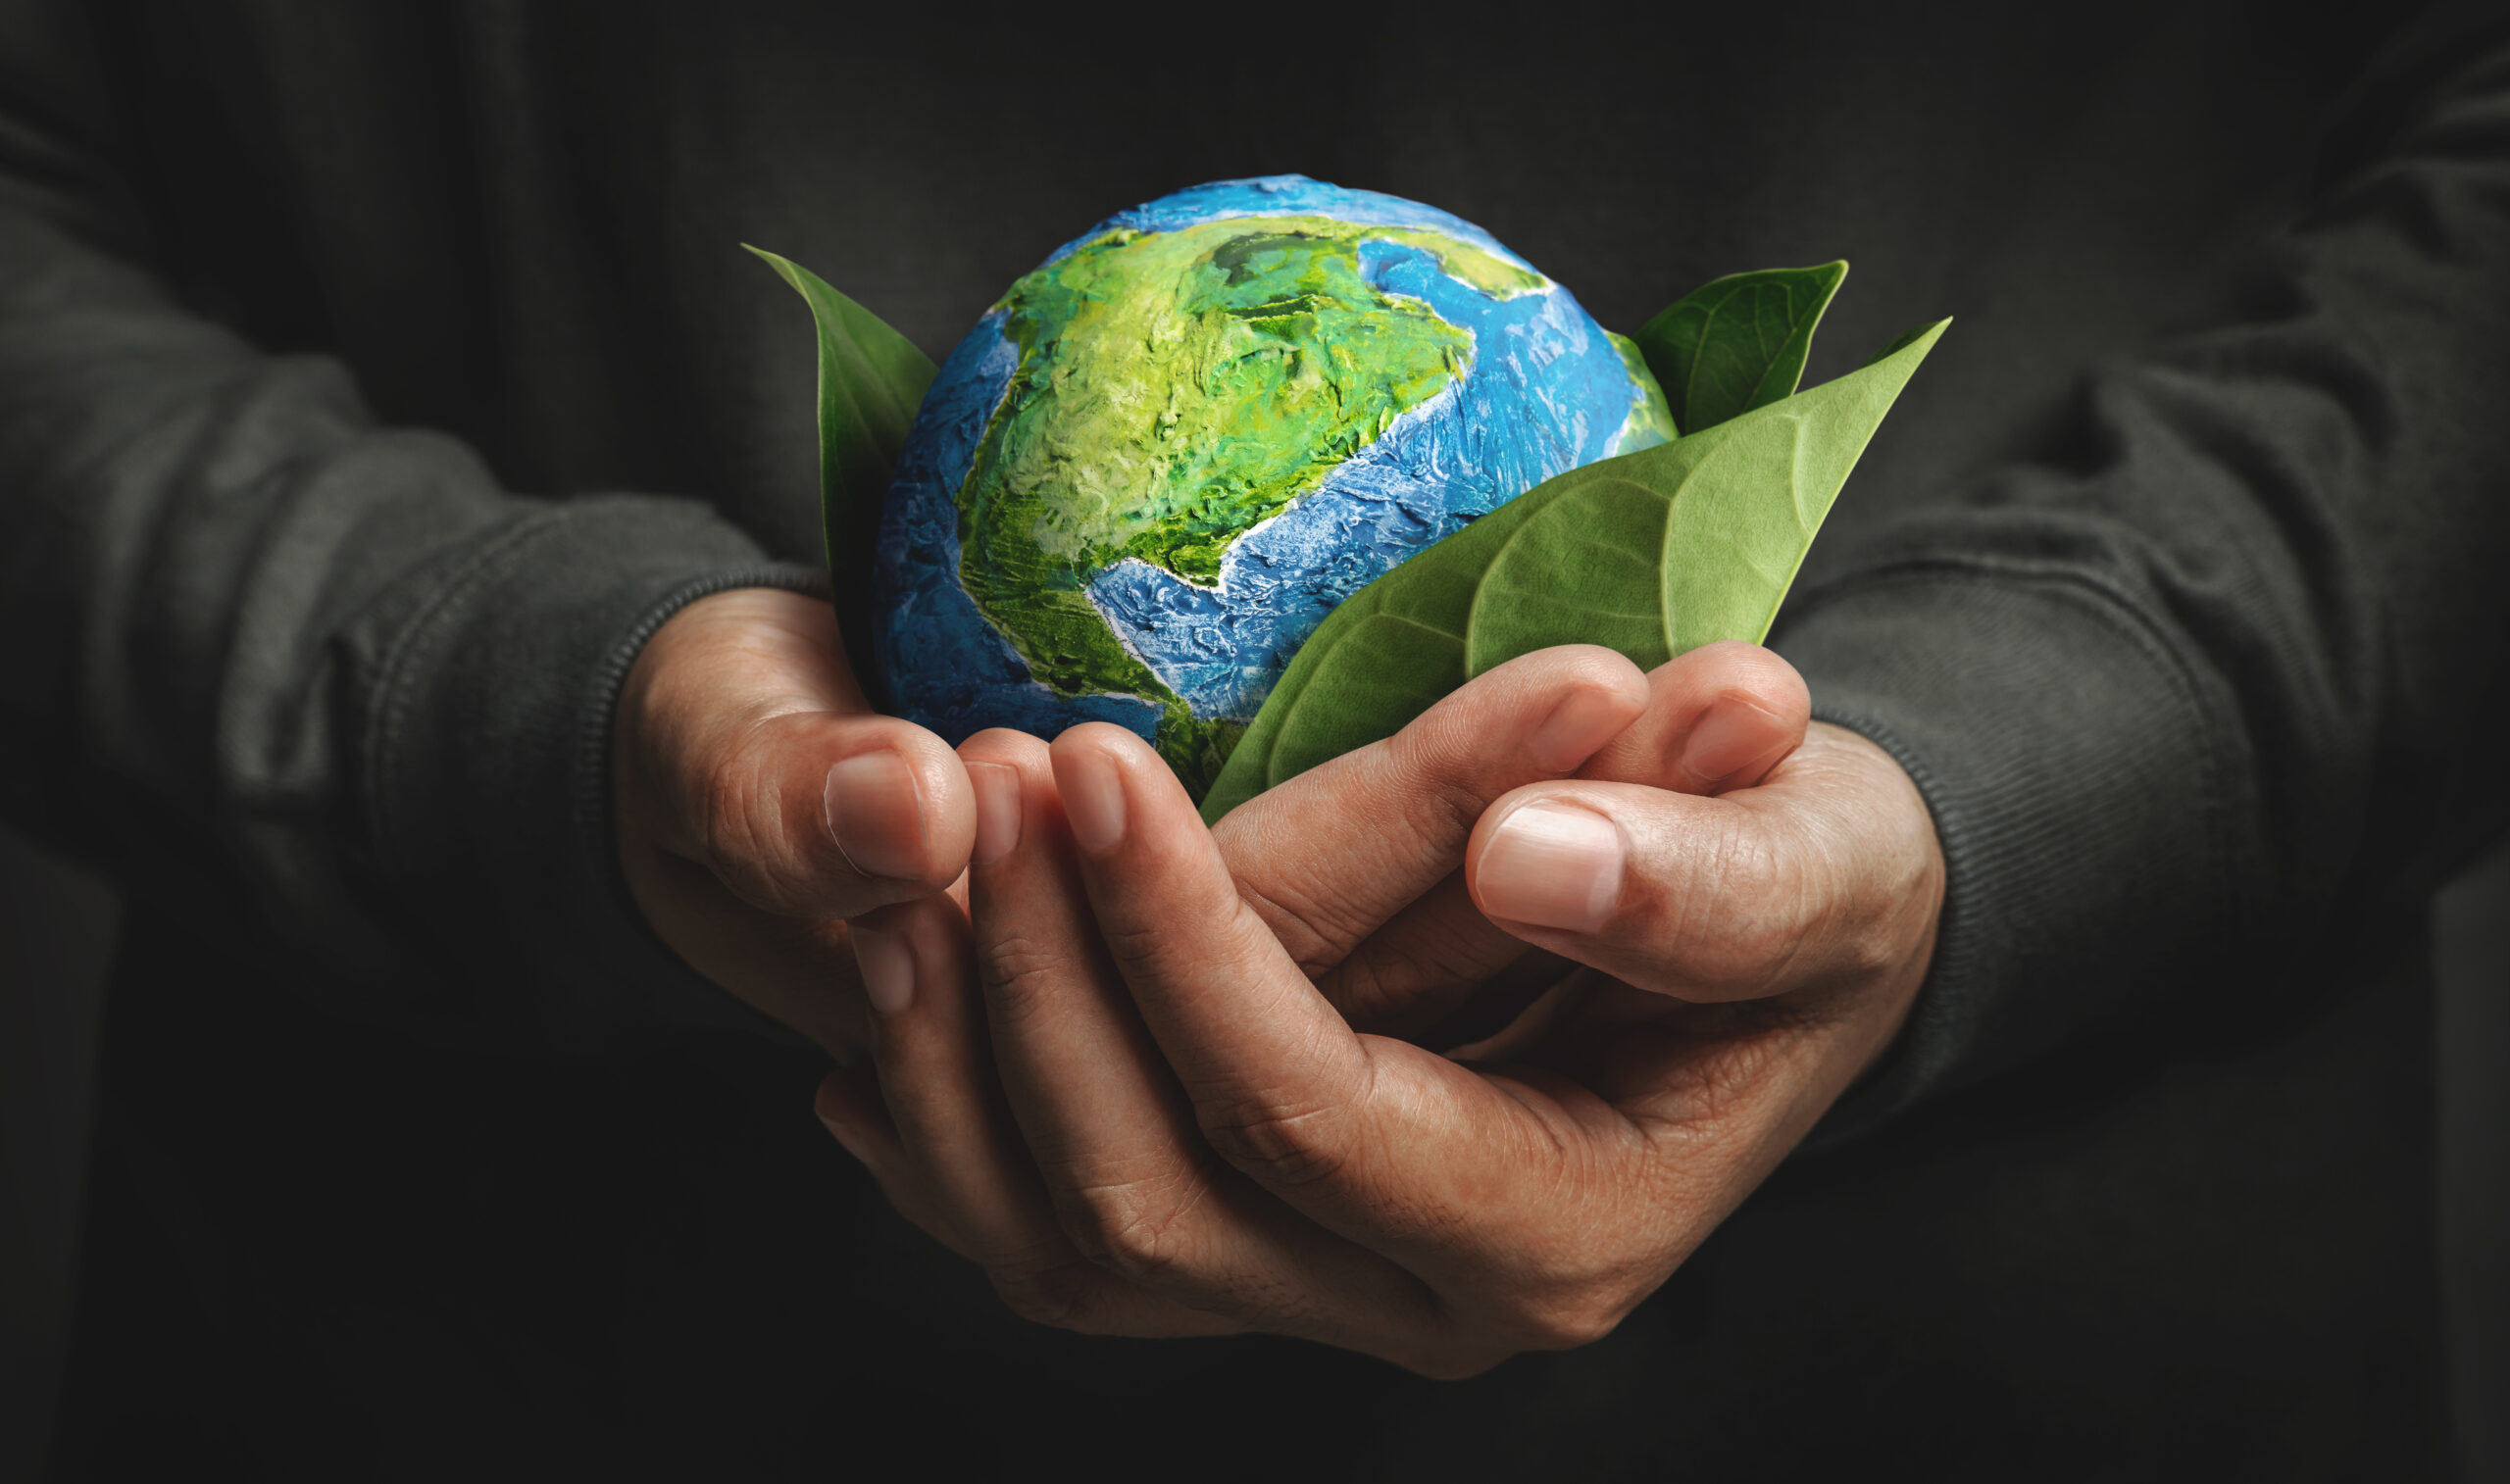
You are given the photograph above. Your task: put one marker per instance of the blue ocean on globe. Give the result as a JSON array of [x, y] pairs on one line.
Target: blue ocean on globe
[[1151, 469]]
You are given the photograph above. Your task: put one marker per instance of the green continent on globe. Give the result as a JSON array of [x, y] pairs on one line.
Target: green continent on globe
[[1174, 390]]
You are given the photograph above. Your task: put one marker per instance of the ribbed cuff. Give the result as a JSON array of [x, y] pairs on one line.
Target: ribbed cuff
[[488, 778], [2089, 800]]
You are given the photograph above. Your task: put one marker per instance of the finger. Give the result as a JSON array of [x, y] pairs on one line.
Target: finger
[[849, 1106], [797, 971], [937, 1086], [927, 1117], [1432, 957], [1107, 1133], [1811, 877], [1398, 811], [821, 816], [809, 813], [1501, 1193], [744, 746], [1281, 1085], [1233, 1013], [1110, 1130], [1719, 719]]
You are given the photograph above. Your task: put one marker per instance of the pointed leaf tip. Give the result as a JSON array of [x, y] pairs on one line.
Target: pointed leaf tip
[[1908, 337], [870, 382], [1653, 553]]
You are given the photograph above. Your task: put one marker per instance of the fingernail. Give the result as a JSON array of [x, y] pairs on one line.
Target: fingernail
[[876, 815], [889, 968], [1554, 866], [1576, 727], [1734, 732], [1093, 798], [997, 787]]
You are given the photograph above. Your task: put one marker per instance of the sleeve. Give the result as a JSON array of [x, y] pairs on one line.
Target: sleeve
[[305, 675], [2184, 701]]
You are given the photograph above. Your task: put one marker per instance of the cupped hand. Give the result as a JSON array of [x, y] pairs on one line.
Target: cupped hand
[[757, 801], [1153, 1121], [1384, 920]]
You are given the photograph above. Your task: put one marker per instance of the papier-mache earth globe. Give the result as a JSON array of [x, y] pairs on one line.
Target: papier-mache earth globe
[[1163, 458]]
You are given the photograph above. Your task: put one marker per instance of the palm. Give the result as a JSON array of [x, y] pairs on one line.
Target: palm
[[1155, 1115]]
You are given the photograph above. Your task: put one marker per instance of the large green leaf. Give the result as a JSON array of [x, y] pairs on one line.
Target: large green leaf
[[1736, 343], [872, 380], [1653, 553]]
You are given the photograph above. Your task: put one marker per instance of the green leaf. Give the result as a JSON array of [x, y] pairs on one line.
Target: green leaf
[[1585, 563], [872, 380], [1737, 343], [1653, 553], [1386, 667], [1900, 342]]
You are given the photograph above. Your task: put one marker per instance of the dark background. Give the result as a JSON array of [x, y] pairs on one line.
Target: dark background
[[937, 256], [56, 927]]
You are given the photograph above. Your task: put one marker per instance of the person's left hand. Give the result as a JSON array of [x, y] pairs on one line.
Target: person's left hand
[[1187, 1137]]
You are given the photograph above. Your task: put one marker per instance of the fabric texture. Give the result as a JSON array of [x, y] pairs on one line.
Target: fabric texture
[[2156, 699], [330, 335]]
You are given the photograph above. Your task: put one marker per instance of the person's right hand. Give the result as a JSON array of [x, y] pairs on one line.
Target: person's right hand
[[758, 800], [1386, 924], [1149, 1120]]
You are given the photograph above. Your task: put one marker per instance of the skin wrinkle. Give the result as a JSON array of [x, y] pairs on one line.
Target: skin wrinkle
[[1290, 1304], [1019, 979], [1366, 988], [1445, 760], [721, 766], [1560, 1203], [1683, 913], [733, 846], [1256, 1133], [1135, 1235], [1446, 1213], [1240, 1126], [1308, 948], [1423, 1212], [1438, 957], [1332, 931], [2194, 856]]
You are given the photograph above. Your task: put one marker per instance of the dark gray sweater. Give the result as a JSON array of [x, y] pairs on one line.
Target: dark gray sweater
[[373, 380]]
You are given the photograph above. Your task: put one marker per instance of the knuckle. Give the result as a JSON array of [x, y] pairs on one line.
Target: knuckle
[[1146, 946], [1453, 803], [729, 823], [1446, 778], [1060, 1298], [1152, 949], [1368, 988], [1019, 973], [1316, 927], [1568, 1321], [740, 829], [1134, 1229], [1281, 1144], [1732, 929]]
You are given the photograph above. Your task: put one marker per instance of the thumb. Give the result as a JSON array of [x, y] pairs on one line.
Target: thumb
[[743, 745], [1817, 873], [817, 814], [1718, 719]]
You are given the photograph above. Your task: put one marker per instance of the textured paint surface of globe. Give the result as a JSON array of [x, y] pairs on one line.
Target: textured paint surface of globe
[[1153, 469]]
